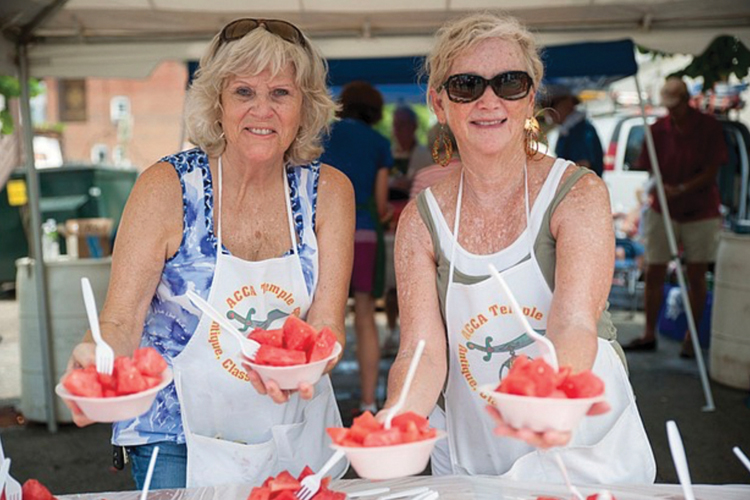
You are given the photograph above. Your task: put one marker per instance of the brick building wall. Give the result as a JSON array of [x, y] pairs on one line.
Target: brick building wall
[[155, 124]]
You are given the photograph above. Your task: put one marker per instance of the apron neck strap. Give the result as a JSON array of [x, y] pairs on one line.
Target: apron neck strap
[[289, 217], [454, 245]]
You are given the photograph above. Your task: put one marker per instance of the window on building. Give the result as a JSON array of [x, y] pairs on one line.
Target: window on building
[[99, 153], [120, 156], [38, 105], [119, 108]]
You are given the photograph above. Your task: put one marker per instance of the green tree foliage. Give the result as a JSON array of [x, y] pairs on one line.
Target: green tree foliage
[[726, 55], [10, 88]]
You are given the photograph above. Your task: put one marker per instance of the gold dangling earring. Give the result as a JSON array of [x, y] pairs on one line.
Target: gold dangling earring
[[444, 139], [531, 136]]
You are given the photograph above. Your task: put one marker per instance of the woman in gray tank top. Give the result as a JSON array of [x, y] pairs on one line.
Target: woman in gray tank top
[[546, 225]]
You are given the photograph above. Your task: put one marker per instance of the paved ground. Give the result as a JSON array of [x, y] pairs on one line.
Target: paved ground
[[667, 387]]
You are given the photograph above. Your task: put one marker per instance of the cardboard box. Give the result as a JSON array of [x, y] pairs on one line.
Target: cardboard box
[[88, 238]]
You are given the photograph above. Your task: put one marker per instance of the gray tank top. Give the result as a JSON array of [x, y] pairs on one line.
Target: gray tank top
[[544, 248]]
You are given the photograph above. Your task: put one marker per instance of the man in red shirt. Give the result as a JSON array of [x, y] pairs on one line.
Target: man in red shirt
[[690, 148]]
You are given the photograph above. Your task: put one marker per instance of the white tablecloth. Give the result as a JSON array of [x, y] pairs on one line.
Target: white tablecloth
[[451, 488]]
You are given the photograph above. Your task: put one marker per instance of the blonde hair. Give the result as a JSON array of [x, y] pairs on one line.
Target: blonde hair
[[467, 32], [250, 55]]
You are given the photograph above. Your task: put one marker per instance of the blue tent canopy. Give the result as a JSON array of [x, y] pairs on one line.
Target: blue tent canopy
[[579, 65]]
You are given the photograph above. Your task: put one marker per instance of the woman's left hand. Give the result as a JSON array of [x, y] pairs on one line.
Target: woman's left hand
[[547, 439], [272, 389]]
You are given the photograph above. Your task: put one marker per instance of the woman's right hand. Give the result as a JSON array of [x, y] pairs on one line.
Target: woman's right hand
[[83, 355]]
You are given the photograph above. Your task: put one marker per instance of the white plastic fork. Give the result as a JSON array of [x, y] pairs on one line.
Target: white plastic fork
[[4, 474], [105, 356], [564, 471], [311, 484], [743, 458], [547, 349], [12, 487], [679, 459], [393, 410], [149, 473], [248, 346]]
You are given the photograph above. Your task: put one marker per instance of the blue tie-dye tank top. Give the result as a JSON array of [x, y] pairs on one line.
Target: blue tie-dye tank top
[[168, 327]]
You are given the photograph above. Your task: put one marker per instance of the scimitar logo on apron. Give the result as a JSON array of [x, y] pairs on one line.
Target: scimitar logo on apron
[[510, 348], [248, 322], [274, 293]]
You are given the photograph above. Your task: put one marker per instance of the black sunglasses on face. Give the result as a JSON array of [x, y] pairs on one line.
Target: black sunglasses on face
[[467, 87], [241, 27]]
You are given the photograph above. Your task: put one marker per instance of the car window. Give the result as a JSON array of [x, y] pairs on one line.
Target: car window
[[633, 147]]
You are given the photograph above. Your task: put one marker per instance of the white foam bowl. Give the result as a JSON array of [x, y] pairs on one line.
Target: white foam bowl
[[117, 408], [540, 414], [390, 462], [289, 377]]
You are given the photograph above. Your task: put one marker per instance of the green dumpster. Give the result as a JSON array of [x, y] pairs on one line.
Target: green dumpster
[[67, 192]]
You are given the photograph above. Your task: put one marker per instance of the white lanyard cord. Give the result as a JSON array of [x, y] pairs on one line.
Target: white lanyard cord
[[290, 220]]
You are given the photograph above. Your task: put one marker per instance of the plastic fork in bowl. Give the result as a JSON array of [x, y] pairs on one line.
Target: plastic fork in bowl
[[547, 349], [248, 346], [105, 356], [393, 410], [13, 489], [311, 484]]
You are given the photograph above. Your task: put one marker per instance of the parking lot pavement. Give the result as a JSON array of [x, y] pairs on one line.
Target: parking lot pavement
[[78, 460]]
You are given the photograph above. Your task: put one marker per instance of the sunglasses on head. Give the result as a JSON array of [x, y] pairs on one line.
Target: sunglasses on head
[[241, 27], [467, 87]]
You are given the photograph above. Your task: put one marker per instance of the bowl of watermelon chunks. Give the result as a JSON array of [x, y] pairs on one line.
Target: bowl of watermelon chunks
[[284, 486], [293, 354], [534, 396], [127, 393], [379, 453]]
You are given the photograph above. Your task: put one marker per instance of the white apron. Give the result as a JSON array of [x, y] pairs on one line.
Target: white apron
[[233, 434], [483, 337]]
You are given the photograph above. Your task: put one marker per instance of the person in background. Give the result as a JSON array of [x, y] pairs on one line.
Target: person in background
[[409, 155], [443, 167], [364, 155], [578, 140], [249, 209], [546, 225], [690, 148]]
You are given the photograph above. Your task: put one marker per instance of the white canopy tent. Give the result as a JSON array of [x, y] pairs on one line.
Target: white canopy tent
[[128, 38]]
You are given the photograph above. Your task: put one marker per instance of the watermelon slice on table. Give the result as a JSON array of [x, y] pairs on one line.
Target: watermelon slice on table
[[298, 335], [262, 493], [284, 481], [34, 490], [284, 487]]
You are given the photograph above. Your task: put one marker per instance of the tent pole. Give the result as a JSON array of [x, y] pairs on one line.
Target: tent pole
[[673, 250], [40, 271]]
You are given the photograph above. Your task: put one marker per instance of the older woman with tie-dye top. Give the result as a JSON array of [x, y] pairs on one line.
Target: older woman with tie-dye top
[[254, 224]]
